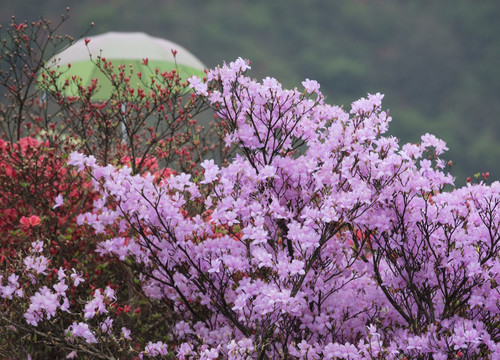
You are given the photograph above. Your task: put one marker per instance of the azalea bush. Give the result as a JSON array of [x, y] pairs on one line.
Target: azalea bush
[[145, 126], [322, 238]]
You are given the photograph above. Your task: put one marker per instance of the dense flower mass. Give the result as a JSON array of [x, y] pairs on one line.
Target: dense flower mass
[[288, 229], [322, 239]]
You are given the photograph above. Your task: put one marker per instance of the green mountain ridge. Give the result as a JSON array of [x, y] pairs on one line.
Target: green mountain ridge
[[436, 62]]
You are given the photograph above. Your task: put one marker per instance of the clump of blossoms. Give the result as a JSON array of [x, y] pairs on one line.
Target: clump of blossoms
[[321, 239], [45, 298]]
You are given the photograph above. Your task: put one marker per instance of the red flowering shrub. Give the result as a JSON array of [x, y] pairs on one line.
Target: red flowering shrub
[[32, 176]]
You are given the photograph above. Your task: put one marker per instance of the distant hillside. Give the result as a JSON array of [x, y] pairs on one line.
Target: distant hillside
[[437, 62]]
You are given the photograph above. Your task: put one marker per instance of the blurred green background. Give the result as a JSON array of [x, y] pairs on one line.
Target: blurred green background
[[437, 62]]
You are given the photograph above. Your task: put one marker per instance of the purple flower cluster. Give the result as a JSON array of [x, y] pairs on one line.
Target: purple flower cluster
[[323, 238]]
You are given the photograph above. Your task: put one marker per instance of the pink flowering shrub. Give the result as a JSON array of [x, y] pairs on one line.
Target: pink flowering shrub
[[321, 239]]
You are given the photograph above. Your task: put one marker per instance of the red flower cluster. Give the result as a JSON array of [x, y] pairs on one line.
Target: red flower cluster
[[27, 222]]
